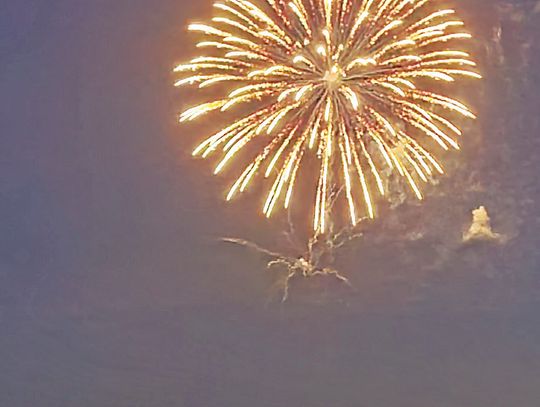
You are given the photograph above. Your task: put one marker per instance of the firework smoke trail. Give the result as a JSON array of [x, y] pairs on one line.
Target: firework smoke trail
[[355, 83]]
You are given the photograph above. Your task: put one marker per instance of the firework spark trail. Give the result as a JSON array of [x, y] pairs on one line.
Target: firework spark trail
[[314, 260], [355, 82], [307, 265]]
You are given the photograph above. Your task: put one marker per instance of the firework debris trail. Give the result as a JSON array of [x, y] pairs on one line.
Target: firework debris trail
[[316, 258]]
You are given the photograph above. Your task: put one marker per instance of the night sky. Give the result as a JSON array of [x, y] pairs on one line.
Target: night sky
[[115, 290]]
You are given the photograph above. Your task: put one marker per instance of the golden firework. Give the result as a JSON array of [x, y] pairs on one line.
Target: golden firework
[[356, 83]]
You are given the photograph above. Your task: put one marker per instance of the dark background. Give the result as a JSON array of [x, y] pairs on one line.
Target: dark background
[[114, 291]]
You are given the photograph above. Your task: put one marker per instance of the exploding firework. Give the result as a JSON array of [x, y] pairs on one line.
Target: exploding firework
[[357, 84]]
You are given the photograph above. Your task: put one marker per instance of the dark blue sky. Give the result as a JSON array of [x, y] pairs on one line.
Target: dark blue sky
[[114, 291]]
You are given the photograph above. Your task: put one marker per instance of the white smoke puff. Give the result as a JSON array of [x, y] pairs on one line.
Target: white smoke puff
[[480, 229]]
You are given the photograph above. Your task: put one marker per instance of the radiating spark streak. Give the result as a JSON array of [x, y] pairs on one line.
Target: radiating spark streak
[[290, 190], [283, 178], [301, 14], [365, 188], [373, 168], [314, 132], [356, 83], [348, 187]]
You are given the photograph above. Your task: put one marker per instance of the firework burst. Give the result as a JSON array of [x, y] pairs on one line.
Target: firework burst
[[355, 83]]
